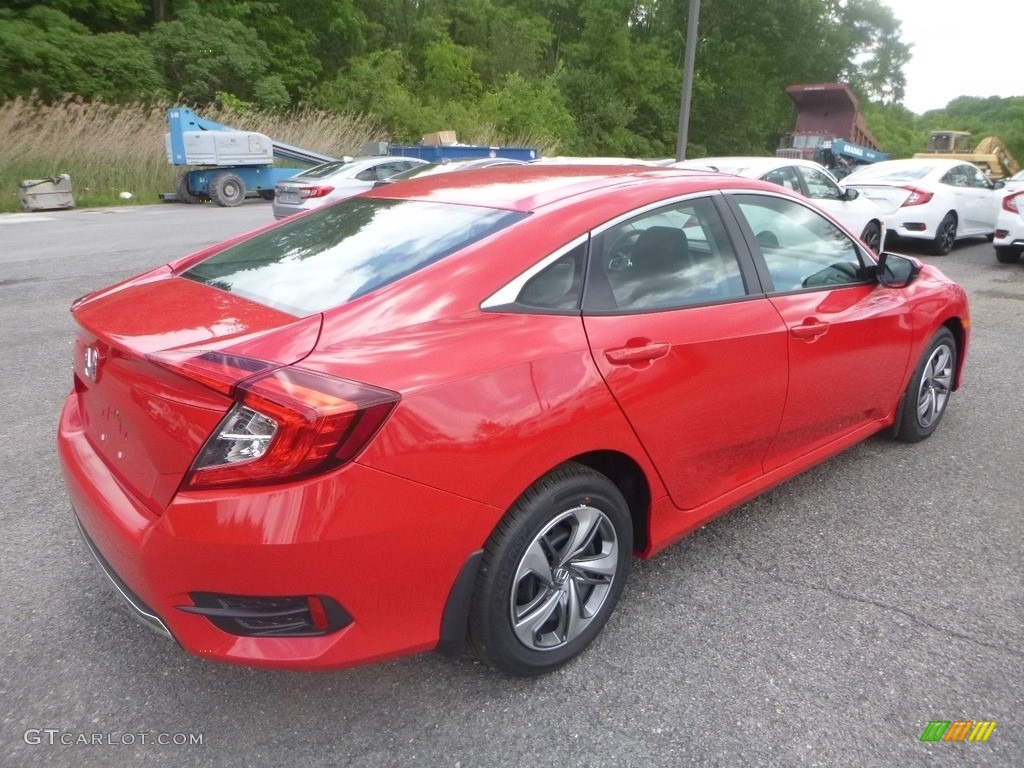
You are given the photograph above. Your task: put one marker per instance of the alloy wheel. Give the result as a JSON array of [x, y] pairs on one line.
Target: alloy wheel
[[933, 392], [563, 578]]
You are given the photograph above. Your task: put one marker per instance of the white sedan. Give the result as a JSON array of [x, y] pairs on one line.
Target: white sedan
[[857, 214], [934, 199], [337, 180], [1009, 238]]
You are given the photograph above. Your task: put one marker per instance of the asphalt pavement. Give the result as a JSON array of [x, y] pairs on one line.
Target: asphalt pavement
[[823, 624]]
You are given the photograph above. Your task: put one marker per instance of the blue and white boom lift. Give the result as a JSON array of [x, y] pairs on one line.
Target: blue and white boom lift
[[232, 164]]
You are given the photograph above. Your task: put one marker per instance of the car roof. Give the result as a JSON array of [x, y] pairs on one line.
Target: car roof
[[530, 187], [349, 164], [739, 165]]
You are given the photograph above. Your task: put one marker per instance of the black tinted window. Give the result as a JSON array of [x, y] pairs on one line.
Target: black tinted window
[[670, 257], [559, 285], [345, 251]]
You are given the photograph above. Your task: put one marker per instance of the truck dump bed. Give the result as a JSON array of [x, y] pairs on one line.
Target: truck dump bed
[[830, 109]]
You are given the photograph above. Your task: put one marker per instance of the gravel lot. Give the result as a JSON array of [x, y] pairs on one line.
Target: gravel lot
[[824, 624]]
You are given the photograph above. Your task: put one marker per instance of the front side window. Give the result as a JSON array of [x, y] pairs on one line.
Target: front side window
[[801, 248], [975, 178], [820, 186], [345, 251], [670, 257]]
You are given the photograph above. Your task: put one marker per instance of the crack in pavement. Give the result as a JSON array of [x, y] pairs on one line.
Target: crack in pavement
[[884, 606]]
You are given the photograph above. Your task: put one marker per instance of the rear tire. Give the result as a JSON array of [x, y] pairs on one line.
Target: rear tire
[[552, 572], [1007, 254], [945, 236], [183, 193], [928, 393], [227, 190]]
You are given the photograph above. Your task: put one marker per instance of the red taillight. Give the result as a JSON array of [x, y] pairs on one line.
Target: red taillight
[[287, 424], [217, 370], [917, 197], [308, 192], [1010, 202]]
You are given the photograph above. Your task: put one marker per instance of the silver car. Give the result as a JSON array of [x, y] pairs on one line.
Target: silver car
[[337, 180]]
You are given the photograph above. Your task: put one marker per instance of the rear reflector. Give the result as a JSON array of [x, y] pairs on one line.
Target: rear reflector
[[252, 616]]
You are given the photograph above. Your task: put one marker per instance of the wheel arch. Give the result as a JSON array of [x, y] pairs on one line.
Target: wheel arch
[[632, 483], [621, 469]]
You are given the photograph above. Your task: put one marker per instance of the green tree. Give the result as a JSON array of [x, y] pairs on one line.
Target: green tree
[[95, 15], [45, 52], [199, 55]]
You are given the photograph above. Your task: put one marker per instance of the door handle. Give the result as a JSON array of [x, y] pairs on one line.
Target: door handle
[[645, 353], [809, 331]]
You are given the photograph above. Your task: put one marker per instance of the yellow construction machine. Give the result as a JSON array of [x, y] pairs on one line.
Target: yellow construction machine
[[990, 155]]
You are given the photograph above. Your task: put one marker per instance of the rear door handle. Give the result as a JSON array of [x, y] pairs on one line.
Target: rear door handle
[[809, 331], [648, 352]]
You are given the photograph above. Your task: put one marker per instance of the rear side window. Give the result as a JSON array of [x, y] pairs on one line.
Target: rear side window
[[345, 251]]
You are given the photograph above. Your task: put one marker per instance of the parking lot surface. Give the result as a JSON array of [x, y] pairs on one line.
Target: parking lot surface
[[823, 624]]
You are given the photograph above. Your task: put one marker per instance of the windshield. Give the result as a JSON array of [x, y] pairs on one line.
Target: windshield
[[345, 251]]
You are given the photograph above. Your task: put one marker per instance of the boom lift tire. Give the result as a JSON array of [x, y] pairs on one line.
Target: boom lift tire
[[227, 190]]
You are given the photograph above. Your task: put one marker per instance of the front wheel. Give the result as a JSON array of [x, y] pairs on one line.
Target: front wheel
[[227, 190], [928, 393], [945, 236], [552, 572], [1007, 255], [872, 236]]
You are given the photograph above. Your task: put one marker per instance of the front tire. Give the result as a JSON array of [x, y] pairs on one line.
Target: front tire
[[1007, 254], [928, 393], [945, 236], [227, 190], [552, 572], [872, 236]]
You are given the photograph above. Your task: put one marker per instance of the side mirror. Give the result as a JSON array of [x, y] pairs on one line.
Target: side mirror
[[998, 184], [895, 271], [850, 194]]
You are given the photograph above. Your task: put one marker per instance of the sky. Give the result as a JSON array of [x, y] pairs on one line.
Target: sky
[[961, 48]]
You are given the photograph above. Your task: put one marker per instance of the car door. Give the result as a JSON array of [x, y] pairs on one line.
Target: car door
[[688, 344], [985, 201], [849, 338]]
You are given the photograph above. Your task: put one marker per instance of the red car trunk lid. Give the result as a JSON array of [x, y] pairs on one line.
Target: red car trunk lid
[[147, 422]]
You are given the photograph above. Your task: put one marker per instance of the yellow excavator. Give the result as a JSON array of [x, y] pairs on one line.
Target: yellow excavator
[[990, 155]]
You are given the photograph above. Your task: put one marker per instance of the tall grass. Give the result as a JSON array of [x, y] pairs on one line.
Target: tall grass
[[108, 149]]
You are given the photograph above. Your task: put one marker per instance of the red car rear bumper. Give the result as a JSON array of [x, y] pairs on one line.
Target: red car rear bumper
[[386, 549]]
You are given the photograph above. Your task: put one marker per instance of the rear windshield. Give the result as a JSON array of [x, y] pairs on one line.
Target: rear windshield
[[346, 250], [897, 173], [325, 170]]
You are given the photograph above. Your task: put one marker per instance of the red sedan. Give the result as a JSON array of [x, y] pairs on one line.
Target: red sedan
[[454, 408]]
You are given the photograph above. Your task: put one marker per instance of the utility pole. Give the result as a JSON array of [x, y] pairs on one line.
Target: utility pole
[[684, 104]]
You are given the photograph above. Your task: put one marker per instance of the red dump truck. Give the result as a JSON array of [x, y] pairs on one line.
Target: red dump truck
[[829, 129]]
